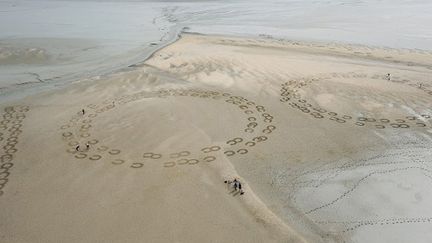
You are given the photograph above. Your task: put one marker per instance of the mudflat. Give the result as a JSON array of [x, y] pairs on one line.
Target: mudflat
[[331, 143]]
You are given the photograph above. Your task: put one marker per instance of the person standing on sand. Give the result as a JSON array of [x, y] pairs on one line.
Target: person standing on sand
[[87, 146], [388, 76], [77, 148], [240, 188], [235, 184], [83, 111]]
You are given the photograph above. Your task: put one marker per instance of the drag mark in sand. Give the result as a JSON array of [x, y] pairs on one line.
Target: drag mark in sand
[[329, 189], [257, 129], [10, 124], [290, 94]]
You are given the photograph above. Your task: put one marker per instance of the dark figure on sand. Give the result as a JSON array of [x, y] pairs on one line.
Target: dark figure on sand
[[236, 185]]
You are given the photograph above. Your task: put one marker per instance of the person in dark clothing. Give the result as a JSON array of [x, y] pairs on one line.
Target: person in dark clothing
[[240, 188]]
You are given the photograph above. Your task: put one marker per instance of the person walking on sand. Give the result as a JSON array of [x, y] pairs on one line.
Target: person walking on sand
[[388, 76], [77, 148], [87, 146], [240, 188], [83, 111], [235, 184]]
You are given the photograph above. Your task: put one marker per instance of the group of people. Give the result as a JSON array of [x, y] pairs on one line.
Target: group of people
[[236, 185]]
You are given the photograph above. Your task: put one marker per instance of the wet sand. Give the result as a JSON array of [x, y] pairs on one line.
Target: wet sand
[[328, 149]]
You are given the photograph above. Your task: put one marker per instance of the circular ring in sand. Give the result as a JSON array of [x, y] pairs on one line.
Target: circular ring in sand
[[250, 144], [211, 149], [20, 116], [117, 162], [249, 130], [169, 164], [229, 153], [176, 155], [81, 156], [95, 157], [11, 151], [6, 158], [86, 126], [114, 151], [260, 108], [67, 134], [13, 129], [4, 122], [3, 182], [260, 139], [17, 126], [93, 141], [13, 138], [15, 122], [102, 148], [4, 175], [150, 155], [9, 109], [209, 159], [359, 124], [252, 125], [8, 146], [71, 150], [244, 105], [242, 151], [85, 135], [399, 125], [193, 161], [7, 165], [291, 89], [234, 141], [182, 161], [136, 165], [12, 143], [16, 133]]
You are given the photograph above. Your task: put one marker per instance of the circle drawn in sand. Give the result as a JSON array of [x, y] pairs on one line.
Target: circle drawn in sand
[[258, 123], [13, 117], [290, 94]]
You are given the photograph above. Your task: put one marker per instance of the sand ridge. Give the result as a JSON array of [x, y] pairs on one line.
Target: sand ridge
[[310, 130]]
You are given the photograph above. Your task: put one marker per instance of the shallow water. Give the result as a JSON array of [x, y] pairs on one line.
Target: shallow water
[[46, 42]]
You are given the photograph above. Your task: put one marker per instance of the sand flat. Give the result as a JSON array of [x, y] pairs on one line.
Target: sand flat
[[328, 149]]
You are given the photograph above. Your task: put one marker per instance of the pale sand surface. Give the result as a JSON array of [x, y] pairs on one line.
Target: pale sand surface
[[327, 149]]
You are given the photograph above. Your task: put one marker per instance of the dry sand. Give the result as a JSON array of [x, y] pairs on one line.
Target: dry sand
[[317, 134]]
